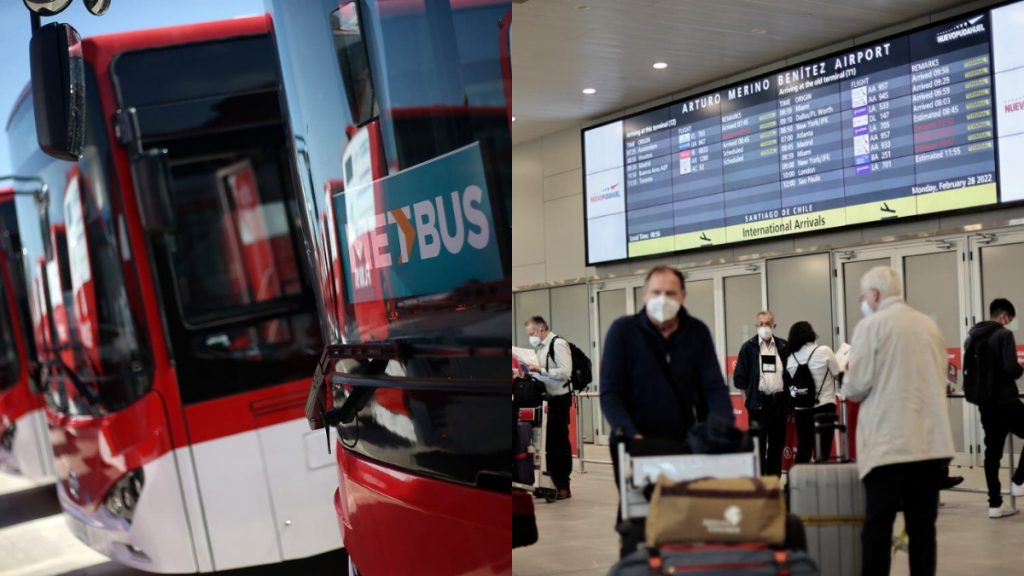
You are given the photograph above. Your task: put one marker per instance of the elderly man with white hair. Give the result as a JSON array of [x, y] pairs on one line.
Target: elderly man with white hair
[[898, 371]]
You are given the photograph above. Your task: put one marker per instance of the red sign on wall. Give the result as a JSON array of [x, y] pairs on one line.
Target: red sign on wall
[[739, 411], [730, 364]]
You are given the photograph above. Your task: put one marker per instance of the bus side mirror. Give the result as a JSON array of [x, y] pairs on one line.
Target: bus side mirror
[[58, 90], [152, 172]]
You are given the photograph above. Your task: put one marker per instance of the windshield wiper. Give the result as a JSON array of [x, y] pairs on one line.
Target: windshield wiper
[[364, 384], [91, 398]]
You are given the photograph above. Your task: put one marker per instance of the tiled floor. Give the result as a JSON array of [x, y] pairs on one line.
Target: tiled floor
[[576, 536]]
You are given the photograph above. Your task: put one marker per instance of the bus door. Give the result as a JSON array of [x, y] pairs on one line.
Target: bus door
[[239, 312]]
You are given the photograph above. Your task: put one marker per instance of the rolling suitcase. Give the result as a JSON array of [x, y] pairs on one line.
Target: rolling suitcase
[[716, 560], [522, 471], [829, 498]]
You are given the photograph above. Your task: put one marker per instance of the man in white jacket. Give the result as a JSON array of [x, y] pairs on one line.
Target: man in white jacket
[[898, 371]]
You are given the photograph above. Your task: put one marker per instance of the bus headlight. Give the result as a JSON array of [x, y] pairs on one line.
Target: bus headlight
[[124, 496]]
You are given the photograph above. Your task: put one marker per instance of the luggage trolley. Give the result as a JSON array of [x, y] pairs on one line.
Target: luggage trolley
[[543, 486], [644, 461]]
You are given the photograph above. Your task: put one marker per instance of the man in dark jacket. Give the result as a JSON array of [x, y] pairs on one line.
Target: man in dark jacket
[[759, 373], [659, 375], [1001, 411], [659, 369]]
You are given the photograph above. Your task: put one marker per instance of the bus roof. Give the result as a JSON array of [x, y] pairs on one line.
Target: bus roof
[[101, 49]]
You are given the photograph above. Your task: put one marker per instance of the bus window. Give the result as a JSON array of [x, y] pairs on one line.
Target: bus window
[[443, 91], [9, 365], [353, 61], [238, 307]]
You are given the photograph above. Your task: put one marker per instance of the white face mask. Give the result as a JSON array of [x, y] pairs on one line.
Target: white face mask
[[661, 308], [535, 341], [765, 332], [865, 309]]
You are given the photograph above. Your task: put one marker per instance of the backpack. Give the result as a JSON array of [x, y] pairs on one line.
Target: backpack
[[804, 390], [582, 372], [978, 388]]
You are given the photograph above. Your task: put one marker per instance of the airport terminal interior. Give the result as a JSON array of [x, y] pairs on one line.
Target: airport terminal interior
[[774, 152]]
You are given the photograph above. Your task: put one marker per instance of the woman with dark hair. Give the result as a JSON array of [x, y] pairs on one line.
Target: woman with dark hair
[[804, 350]]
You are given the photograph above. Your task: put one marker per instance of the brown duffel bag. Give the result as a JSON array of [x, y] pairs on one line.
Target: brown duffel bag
[[726, 510]]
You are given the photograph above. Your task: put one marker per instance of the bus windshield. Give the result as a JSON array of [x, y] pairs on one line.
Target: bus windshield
[[446, 86], [74, 258]]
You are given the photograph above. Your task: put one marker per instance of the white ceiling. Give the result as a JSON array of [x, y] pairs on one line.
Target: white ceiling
[[559, 48]]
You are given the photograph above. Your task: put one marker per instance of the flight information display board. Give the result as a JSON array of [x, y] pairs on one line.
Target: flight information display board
[[902, 127]]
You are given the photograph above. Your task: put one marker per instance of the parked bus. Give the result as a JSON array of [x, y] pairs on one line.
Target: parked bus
[[177, 328], [400, 110], [399, 138], [24, 439]]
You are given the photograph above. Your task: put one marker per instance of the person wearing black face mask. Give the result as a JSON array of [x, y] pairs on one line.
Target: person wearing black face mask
[[759, 373], [659, 370]]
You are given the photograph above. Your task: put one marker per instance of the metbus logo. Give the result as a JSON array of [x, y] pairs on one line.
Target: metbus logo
[[444, 223], [425, 230]]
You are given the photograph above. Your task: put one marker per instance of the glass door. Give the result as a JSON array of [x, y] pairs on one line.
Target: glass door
[[609, 301], [996, 272], [934, 282]]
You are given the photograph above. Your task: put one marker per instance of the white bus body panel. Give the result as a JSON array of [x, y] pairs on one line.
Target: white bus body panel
[[258, 497], [31, 455]]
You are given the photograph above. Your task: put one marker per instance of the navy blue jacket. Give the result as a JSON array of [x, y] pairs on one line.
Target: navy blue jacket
[[747, 376], [635, 389]]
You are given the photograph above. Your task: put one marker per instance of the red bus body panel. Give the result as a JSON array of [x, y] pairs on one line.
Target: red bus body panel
[[406, 523]]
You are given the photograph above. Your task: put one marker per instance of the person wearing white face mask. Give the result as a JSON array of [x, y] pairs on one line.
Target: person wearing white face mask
[[659, 370], [897, 371], [759, 373], [555, 374]]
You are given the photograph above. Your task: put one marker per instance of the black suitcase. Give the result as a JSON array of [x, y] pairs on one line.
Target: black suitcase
[[715, 560], [522, 470], [527, 392]]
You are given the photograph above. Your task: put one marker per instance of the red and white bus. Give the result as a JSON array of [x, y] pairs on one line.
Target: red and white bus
[[24, 439], [400, 111], [177, 328]]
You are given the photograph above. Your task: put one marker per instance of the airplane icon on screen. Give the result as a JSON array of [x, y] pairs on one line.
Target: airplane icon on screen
[[704, 237], [885, 208]]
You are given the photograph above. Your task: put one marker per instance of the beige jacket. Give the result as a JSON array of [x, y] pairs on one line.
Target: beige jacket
[[898, 371]]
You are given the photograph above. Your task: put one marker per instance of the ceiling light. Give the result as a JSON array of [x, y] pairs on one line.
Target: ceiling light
[[513, 118], [660, 65], [589, 91], [759, 31]]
